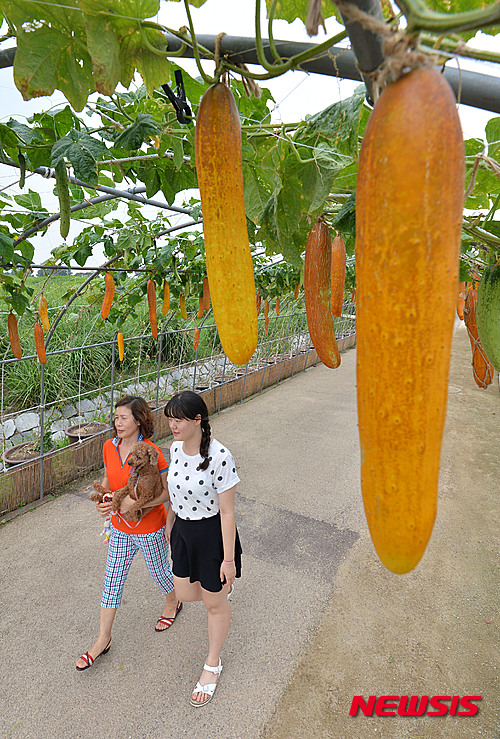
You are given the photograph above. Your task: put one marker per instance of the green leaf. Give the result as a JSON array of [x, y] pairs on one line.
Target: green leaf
[[31, 201], [473, 147], [289, 10], [346, 217], [256, 196], [83, 151], [153, 67], [6, 248], [25, 133], [178, 150], [82, 253], [8, 141], [48, 59], [142, 129], [492, 130], [338, 124], [103, 43]]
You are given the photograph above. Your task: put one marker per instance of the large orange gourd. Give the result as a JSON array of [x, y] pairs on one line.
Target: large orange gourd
[[408, 225], [229, 261]]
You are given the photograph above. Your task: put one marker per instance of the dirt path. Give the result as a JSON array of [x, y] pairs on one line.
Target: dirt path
[[431, 632]]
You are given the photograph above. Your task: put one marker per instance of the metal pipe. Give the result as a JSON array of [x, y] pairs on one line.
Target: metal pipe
[[476, 89]]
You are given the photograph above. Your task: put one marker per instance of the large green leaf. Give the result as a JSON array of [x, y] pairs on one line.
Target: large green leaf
[[142, 129], [83, 151], [104, 48], [51, 50]]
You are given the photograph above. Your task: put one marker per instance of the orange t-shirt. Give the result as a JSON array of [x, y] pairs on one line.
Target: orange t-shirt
[[117, 474]]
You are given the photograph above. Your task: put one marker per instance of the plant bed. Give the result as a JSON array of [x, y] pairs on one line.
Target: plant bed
[[26, 451], [83, 431], [162, 402]]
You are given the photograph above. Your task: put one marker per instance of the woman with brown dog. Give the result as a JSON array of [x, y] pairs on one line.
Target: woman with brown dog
[[206, 551], [133, 421]]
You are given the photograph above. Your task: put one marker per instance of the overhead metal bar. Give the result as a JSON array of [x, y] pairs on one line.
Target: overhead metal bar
[[476, 89], [471, 88]]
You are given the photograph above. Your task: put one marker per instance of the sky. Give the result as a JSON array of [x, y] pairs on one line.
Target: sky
[[297, 94]]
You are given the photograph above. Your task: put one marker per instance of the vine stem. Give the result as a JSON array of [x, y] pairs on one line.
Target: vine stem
[[421, 18], [458, 47], [209, 80]]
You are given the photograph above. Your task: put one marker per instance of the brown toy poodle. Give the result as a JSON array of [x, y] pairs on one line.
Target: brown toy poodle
[[144, 482]]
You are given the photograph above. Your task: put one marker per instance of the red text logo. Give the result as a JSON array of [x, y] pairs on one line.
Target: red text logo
[[415, 705]]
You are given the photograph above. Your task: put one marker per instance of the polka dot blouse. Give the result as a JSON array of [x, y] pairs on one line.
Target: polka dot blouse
[[194, 492]]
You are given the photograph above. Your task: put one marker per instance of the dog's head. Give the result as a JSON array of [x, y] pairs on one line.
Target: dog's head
[[143, 454]]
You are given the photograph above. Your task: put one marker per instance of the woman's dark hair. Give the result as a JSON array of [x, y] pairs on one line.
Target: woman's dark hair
[[188, 404], [141, 412]]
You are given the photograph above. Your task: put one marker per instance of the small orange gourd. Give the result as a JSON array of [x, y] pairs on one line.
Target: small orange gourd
[[40, 343], [109, 292], [14, 336], [121, 345], [43, 312]]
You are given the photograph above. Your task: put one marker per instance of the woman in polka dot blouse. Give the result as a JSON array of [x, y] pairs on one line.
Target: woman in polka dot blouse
[[206, 551]]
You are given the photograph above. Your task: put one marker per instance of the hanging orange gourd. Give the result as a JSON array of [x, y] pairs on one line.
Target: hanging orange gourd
[[196, 342], [317, 282], [206, 294], [461, 300], [266, 316], [14, 336], [200, 308], [482, 369], [182, 305], [109, 291], [121, 345], [218, 153], [43, 312], [40, 343]]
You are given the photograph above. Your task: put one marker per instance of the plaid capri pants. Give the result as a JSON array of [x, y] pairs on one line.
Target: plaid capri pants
[[122, 550]]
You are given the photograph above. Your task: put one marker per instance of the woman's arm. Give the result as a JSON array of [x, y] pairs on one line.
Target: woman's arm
[[226, 507], [170, 523], [104, 509]]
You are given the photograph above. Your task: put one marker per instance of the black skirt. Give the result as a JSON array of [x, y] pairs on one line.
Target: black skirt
[[197, 551]]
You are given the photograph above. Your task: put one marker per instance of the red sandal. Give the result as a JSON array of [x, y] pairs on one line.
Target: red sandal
[[90, 660], [167, 622]]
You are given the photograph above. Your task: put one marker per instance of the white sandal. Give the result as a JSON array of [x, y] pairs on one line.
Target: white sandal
[[206, 689]]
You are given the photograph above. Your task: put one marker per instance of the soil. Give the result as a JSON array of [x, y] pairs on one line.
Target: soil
[[431, 632], [90, 428]]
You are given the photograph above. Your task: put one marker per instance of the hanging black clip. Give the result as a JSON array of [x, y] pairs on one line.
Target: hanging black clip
[[181, 105]]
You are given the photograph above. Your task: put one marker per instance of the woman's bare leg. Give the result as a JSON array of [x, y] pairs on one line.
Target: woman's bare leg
[[107, 616], [219, 619]]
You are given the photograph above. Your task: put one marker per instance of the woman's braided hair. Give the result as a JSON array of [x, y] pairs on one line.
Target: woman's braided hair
[[188, 404]]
